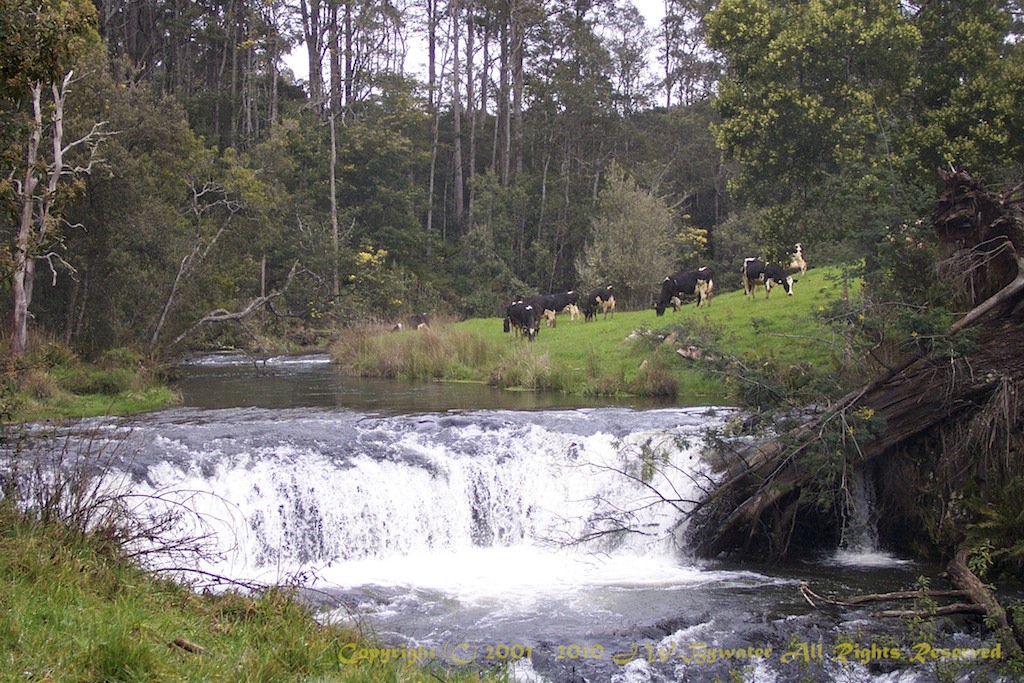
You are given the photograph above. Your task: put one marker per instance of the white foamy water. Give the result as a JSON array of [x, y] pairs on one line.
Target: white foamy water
[[867, 558], [373, 498], [559, 533]]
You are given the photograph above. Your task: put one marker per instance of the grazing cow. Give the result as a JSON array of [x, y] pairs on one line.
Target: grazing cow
[[797, 261], [755, 272], [549, 305], [522, 317], [602, 300], [687, 283], [564, 301], [422, 321]]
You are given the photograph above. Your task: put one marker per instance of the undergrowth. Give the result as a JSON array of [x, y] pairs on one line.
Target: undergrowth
[[50, 381]]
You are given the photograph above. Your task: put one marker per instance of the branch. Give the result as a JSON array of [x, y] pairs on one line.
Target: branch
[[1007, 293], [945, 610], [223, 315]]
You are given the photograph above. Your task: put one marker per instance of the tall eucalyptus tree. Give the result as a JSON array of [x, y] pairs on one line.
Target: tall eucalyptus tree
[[690, 69], [42, 44]]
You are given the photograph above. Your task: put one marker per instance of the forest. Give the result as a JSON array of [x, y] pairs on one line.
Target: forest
[[169, 184], [162, 166]]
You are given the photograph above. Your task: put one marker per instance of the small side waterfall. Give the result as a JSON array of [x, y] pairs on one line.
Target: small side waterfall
[[860, 534], [859, 545]]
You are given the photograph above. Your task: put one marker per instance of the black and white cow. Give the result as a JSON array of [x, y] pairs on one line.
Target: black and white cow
[[523, 318], [551, 305], [600, 300], [757, 273], [685, 283]]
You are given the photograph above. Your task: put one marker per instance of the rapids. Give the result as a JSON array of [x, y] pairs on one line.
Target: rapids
[[464, 525]]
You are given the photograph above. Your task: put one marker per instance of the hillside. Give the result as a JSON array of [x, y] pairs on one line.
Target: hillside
[[623, 354]]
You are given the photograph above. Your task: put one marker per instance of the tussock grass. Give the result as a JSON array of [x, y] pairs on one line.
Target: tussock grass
[[625, 353], [442, 352], [51, 381]]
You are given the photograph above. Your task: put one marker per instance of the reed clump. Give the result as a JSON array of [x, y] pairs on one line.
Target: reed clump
[[440, 352]]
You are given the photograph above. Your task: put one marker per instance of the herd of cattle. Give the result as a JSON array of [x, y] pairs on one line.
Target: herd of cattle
[[524, 315]]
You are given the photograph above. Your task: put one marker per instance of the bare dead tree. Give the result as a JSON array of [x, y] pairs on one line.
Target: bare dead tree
[[44, 183], [221, 315], [203, 199]]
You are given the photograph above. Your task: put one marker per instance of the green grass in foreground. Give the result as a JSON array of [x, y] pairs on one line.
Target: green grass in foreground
[[623, 354], [71, 610]]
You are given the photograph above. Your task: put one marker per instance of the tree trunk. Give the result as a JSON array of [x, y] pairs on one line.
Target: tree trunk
[[964, 579], [518, 28], [458, 197], [503, 139], [24, 248], [312, 32], [470, 105], [335, 244]]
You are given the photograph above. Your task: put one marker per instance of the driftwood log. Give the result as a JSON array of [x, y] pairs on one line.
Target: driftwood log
[[765, 487]]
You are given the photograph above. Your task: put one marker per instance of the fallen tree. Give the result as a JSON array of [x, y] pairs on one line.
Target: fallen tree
[[934, 425]]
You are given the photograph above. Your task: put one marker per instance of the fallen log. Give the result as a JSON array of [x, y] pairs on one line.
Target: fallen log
[[811, 596], [973, 597]]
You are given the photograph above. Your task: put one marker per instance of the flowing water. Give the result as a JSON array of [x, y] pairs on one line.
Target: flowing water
[[463, 524]]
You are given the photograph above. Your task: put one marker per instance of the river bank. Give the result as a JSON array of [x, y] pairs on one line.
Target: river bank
[[50, 382], [690, 357], [75, 607]]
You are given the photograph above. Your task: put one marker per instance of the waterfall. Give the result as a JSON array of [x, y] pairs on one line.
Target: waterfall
[[859, 534], [859, 544], [315, 492]]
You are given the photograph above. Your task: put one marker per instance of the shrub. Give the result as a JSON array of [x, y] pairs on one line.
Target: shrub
[[84, 380], [38, 384]]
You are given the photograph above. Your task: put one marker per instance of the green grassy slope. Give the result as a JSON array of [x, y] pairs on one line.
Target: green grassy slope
[[72, 610], [620, 354]]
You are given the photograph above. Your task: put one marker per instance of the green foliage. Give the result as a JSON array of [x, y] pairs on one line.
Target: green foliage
[[993, 532], [838, 112], [805, 86], [628, 239], [41, 41], [969, 95]]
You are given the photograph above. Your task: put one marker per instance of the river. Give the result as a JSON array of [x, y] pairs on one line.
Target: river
[[461, 523]]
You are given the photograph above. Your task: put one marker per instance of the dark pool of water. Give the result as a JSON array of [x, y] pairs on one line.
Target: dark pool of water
[[312, 381]]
